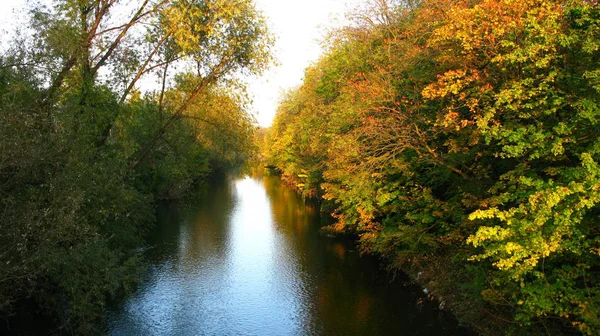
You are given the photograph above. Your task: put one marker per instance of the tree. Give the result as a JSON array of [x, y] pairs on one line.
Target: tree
[[84, 154]]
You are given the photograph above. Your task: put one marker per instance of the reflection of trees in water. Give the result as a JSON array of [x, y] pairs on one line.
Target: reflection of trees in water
[[324, 257], [349, 293], [194, 225], [290, 213], [205, 224]]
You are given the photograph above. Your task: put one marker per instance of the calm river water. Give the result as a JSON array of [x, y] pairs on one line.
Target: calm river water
[[246, 257]]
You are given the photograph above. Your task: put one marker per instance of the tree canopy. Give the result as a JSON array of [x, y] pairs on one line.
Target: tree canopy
[[88, 142], [460, 139]]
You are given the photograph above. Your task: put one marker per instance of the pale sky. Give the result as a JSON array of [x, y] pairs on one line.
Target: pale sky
[[298, 27]]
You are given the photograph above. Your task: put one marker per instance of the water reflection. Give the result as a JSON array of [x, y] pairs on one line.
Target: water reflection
[[246, 257]]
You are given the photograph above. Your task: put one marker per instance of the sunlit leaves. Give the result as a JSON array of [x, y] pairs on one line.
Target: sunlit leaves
[[214, 31], [470, 126]]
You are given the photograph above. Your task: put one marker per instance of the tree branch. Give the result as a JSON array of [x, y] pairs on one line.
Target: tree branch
[[203, 84], [116, 42]]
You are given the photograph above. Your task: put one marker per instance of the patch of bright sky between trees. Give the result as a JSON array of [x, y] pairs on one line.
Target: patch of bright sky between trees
[[299, 27]]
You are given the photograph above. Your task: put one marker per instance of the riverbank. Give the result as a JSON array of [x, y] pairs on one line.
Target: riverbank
[[446, 277], [450, 286]]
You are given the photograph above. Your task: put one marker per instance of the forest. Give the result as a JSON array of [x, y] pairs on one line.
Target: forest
[[459, 141], [106, 107]]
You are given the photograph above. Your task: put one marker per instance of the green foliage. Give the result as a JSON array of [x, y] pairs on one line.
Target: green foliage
[[464, 131], [81, 167]]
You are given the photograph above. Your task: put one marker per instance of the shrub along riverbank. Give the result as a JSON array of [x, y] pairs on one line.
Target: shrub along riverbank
[[460, 140], [84, 155]]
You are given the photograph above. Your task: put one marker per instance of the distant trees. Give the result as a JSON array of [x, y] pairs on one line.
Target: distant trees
[[447, 131], [83, 154]]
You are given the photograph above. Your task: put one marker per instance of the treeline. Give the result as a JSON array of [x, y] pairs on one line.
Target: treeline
[[459, 139], [84, 155]]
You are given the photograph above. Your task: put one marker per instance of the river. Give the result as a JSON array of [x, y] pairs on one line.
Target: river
[[245, 256]]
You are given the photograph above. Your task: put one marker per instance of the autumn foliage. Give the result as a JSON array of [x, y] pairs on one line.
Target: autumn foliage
[[463, 132]]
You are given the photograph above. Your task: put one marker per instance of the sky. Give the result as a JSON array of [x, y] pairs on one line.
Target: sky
[[298, 26]]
